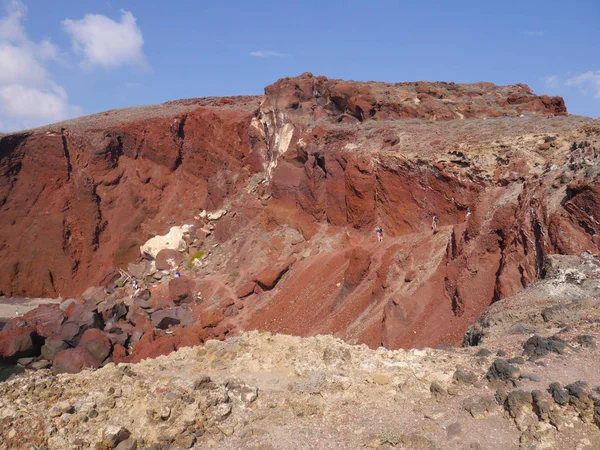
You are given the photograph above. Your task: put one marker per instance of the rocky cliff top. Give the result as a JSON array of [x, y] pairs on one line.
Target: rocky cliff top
[[321, 98]]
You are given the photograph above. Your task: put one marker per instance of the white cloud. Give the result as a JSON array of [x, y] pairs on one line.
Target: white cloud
[[106, 43], [19, 101], [586, 82], [28, 95], [551, 82], [266, 54]]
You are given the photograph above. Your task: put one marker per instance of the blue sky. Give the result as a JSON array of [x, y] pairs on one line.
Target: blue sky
[[65, 58]]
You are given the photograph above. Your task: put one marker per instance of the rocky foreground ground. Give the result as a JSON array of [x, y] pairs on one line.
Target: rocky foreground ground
[[532, 382]]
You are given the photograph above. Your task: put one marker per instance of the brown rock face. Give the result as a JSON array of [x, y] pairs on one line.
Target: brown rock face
[[358, 266], [305, 176], [77, 199], [97, 343], [168, 259], [74, 360], [45, 319], [17, 343]]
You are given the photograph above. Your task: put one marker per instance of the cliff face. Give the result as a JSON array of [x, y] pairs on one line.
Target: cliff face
[[310, 170], [81, 197]]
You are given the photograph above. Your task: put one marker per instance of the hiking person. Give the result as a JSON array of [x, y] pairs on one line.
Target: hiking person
[[379, 232], [468, 213], [434, 223]]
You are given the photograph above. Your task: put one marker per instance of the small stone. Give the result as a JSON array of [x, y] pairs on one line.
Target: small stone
[[516, 360], [484, 352], [222, 411], [461, 376], [164, 412], [587, 341], [454, 431], [502, 370], [530, 376], [184, 441], [249, 394], [128, 444], [381, 379], [114, 435], [559, 394], [437, 390]]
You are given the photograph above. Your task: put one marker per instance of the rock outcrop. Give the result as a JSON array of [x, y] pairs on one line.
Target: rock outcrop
[[268, 205]]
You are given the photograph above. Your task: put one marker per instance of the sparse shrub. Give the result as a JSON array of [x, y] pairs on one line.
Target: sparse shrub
[[196, 256], [390, 437]]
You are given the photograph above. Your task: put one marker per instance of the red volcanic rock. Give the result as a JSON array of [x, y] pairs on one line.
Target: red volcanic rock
[[74, 360], [168, 317], [333, 159], [339, 100], [168, 259], [46, 319], [119, 354], [211, 318], [358, 266], [52, 346], [139, 270], [97, 343], [109, 277], [268, 278], [80, 320], [150, 347], [106, 173], [245, 289], [93, 295], [181, 290], [17, 343]]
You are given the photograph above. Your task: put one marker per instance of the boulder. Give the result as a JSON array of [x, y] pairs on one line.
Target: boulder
[[245, 289], [80, 320], [18, 343], [119, 354], [537, 346], [97, 343], [46, 319], [168, 259], [52, 346], [93, 295], [165, 318], [268, 278], [134, 313], [68, 302], [211, 318], [113, 313], [173, 240], [503, 371], [181, 290], [360, 261], [216, 215], [109, 277], [39, 365], [139, 270], [149, 347], [140, 302], [74, 360]]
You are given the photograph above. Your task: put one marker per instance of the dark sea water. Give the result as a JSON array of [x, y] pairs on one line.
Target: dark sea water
[[7, 370]]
